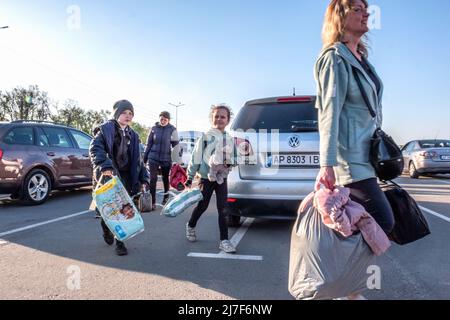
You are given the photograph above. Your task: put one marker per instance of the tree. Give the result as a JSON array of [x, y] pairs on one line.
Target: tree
[[94, 119], [75, 116], [25, 104], [2, 110], [70, 115], [141, 130]]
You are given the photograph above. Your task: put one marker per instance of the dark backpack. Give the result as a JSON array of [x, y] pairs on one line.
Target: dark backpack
[[410, 223]]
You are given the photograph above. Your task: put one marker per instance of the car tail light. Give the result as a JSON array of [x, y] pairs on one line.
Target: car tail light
[[428, 154], [231, 200], [244, 147], [295, 99], [1, 154]]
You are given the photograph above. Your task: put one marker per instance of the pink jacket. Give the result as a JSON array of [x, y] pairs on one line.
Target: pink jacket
[[346, 216]]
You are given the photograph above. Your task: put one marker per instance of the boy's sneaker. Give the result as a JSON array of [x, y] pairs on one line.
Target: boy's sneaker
[[190, 233], [227, 247], [121, 250], [165, 200]]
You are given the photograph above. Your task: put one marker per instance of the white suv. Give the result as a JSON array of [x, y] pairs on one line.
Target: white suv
[[278, 141]]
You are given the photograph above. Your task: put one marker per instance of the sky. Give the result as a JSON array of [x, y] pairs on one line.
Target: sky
[[202, 52]]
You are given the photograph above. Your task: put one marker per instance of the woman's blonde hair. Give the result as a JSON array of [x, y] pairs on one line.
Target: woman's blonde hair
[[334, 25]]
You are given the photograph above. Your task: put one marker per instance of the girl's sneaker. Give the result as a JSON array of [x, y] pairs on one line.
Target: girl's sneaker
[[227, 247], [190, 233]]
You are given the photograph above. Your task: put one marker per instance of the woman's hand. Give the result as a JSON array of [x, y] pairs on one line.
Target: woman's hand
[[326, 177]]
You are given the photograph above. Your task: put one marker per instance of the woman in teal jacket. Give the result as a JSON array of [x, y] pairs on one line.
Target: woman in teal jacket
[[345, 123]]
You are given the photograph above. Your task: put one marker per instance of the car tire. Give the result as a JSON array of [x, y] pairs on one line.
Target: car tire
[[36, 188], [413, 172]]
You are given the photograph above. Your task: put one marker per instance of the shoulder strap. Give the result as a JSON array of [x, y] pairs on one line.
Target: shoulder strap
[[363, 92]]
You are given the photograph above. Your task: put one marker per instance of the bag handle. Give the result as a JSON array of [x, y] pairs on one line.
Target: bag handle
[[99, 182], [363, 92]]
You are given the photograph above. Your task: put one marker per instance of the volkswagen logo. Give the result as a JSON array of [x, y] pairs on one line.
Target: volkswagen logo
[[294, 142]]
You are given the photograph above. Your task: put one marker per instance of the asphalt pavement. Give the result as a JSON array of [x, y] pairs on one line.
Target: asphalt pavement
[[56, 251]]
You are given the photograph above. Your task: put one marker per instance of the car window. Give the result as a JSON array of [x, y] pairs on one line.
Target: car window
[[20, 135], [42, 139], [434, 144], [406, 147], [83, 140], [292, 117], [57, 137]]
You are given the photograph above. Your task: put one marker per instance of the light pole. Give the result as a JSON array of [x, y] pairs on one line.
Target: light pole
[[5, 27], [176, 108]]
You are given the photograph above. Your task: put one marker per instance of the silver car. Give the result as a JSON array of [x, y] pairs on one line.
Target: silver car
[[426, 156], [278, 145]]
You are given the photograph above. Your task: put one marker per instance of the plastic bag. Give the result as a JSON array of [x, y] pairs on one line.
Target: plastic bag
[[118, 210], [145, 201], [178, 177], [182, 202], [324, 264]]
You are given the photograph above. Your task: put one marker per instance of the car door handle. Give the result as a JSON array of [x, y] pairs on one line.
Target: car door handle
[[51, 154]]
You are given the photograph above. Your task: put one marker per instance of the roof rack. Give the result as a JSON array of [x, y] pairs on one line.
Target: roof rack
[[36, 121]]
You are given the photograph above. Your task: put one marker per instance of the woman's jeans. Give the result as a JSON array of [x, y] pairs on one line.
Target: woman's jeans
[[369, 194]]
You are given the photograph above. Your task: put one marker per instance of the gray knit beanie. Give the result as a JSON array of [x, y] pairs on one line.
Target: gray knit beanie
[[120, 107], [165, 114]]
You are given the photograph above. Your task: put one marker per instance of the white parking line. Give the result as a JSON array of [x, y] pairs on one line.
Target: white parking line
[[443, 181], [441, 216], [43, 223], [237, 237], [223, 255]]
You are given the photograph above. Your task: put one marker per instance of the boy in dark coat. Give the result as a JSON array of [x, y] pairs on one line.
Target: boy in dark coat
[[115, 150]]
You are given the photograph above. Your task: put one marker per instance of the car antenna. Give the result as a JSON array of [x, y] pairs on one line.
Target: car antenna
[[294, 92], [437, 134]]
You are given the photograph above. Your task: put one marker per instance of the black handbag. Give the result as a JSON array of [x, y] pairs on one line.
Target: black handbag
[[410, 224], [385, 155]]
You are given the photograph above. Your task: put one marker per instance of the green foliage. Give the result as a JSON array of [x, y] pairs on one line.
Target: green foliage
[[24, 104], [141, 130], [34, 104]]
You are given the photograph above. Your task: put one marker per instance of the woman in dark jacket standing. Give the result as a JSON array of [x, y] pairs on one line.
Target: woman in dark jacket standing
[[162, 149], [115, 150]]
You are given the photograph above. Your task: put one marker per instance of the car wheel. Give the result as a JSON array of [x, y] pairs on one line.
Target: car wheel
[[413, 172], [36, 188]]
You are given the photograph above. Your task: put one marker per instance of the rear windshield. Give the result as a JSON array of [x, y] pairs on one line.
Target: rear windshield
[[434, 144], [291, 117]]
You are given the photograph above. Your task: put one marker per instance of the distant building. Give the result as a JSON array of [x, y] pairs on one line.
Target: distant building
[[189, 136]]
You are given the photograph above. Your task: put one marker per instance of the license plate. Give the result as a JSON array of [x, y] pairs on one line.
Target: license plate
[[445, 158], [295, 160]]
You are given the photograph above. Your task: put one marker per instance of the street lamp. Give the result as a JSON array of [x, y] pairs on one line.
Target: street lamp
[[176, 108], [5, 27]]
